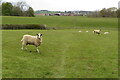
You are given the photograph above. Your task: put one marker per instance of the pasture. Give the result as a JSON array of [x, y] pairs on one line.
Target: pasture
[[64, 54], [62, 22]]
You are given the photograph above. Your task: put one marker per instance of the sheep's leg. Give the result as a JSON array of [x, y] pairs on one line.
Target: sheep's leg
[[24, 46], [38, 50]]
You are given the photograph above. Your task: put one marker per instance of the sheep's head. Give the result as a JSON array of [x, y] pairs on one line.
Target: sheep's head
[[39, 35]]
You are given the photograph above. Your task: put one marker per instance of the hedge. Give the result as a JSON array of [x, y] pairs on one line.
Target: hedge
[[24, 26]]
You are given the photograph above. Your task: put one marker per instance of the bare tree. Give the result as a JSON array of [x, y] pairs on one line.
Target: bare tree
[[23, 6]]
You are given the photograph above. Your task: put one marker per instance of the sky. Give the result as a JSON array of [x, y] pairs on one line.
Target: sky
[[69, 5]]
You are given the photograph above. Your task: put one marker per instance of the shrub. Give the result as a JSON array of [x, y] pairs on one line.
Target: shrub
[[24, 26]]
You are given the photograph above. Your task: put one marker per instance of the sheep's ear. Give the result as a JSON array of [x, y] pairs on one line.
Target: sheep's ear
[[41, 34], [37, 34]]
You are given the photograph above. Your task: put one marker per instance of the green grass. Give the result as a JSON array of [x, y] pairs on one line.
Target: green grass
[[64, 54], [63, 21]]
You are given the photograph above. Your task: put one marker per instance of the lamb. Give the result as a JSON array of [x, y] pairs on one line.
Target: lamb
[[106, 32], [96, 31], [31, 40], [79, 31]]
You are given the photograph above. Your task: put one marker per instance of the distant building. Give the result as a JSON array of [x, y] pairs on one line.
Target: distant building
[[41, 14], [43, 10], [59, 13]]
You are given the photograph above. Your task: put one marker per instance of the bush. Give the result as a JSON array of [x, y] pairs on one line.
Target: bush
[[24, 26]]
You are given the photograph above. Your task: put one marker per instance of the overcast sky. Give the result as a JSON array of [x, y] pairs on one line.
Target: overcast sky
[[70, 5]]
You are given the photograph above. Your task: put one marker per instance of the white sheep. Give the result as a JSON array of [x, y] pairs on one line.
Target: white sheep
[[31, 40], [106, 32], [96, 31], [87, 31], [79, 31]]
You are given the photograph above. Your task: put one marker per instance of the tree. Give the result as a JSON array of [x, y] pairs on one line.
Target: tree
[[25, 9], [0, 10], [30, 12], [16, 11], [103, 12], [110, 12], [7, 9], [118, 13], [22, 5], [20, 9]]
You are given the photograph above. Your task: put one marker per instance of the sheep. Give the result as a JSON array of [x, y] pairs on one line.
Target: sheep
[[31, 40], [106, 32], [96, 31], [79, 31], [87, 31]]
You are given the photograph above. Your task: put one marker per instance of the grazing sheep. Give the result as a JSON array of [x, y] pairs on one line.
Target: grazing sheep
[[79, 31], [31, 40], [96, 31], [87, 31], [106, 32]]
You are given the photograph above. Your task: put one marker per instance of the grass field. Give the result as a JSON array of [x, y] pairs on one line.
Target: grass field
[[64, 21], [64, 54]]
